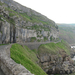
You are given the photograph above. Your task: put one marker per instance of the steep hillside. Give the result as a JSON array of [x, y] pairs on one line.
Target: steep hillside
[[27, 58], [67, 32], [21, 24], [53, 58]]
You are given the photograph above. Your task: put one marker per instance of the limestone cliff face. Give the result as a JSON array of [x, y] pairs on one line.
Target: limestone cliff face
[[21, 24]]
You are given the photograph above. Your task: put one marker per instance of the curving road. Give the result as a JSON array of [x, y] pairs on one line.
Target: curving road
[[35, 45]]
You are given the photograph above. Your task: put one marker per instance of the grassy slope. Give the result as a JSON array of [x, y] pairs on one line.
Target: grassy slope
[[26, 57], [67, 33], [53, 48]]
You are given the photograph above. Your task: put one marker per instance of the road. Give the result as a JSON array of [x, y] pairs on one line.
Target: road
[[35, 45]]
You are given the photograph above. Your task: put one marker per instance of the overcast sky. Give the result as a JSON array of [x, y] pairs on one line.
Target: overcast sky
[[60, 11]]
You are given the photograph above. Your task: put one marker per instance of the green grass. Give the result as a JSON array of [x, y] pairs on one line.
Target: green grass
[[33, 39], [33, 18], [38, 28], [53, 48], [26, 57], [45, 39], [8, 20], [1, 18], [39, 40], [1, 3]]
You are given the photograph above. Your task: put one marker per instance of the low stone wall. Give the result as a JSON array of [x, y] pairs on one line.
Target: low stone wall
[[35, 45], [9, 66]]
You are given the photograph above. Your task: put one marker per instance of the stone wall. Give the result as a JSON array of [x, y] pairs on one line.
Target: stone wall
[[9, 66], [35, 45]]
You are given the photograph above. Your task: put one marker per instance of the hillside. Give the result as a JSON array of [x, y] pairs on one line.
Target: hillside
[[51, 57], [27, 58], [21, 24], [67, 32]]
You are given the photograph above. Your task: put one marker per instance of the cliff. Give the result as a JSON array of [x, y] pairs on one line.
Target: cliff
[[21, 24]]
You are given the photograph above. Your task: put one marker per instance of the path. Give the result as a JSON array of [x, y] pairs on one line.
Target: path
[[35, 45]]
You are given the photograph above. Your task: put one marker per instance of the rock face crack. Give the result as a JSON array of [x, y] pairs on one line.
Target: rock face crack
[[12, 34]]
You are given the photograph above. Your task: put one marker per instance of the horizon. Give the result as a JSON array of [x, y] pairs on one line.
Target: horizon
[[56, 10]]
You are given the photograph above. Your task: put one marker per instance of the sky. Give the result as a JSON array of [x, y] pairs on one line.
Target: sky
[[60, 11]]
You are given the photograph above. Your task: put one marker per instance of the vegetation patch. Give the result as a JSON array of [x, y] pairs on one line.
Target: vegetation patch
[[53, 48], [38, 28], [52, 38], [1, 3], [1, 32], [23, 55], [33, 39], [45, 38], [1, 16], [39, 40]]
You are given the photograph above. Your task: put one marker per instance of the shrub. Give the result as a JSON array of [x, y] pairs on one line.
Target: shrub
[[33, 39], [45, 39]]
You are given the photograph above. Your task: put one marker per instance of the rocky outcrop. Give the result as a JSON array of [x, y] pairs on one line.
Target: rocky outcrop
[[54, 64], [16, 28], [56, 61], [72, 52], [9, 66]]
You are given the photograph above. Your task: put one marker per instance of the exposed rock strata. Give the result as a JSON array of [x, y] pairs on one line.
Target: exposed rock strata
[[16, 29]]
